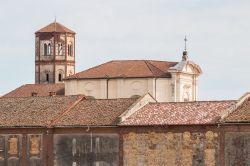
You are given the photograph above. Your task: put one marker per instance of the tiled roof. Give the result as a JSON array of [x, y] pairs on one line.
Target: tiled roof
[[103, 112], [179, 113], [55, 27], [61, 111], [127, 69], [39, 89], [33, 111], [240, 114]]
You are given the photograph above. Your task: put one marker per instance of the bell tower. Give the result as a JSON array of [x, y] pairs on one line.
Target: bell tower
[[54, 53]]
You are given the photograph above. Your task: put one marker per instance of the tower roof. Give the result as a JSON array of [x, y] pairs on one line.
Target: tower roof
[[55, 27]]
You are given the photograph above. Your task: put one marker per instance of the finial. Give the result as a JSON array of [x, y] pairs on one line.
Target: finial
[[184, 55], [185, 40], [55, 24]]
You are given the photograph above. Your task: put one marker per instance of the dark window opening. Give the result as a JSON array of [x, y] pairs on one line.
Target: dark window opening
[[49, 49], [68, 50], [45, 49], [60, 77], [47, 77], [71, 51]]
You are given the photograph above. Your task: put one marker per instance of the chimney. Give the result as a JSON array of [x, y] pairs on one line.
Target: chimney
[[52, 93], [34, 94]]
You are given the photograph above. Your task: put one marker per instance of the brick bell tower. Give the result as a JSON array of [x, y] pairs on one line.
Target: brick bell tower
[[54, 53]]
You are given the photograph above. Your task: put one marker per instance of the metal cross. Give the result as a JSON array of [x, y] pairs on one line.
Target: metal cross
[[185, 39]]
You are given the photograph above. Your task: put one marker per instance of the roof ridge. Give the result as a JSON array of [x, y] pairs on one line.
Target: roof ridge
[[185, 102], [76, 74], [53, 121], [148, 63], [55, 27]]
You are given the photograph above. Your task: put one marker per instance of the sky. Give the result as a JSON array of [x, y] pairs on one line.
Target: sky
[[218, 35]]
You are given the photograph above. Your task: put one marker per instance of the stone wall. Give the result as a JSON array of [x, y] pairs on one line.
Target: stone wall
[[170, 149], [237, 148]]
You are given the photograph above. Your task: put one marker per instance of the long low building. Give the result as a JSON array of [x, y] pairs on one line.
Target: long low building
[[76, 130]]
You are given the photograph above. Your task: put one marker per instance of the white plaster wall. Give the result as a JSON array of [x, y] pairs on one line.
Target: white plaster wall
[[120, 88], [70, 70], [130, 87], [71, 87], [163, 90], [185, 80], [94, 87]]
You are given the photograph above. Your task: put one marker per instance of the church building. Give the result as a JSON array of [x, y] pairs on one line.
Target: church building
[[165, 81], [119, 113]]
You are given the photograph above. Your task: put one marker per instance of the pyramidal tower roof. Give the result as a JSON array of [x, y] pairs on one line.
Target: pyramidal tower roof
[[55, 27]]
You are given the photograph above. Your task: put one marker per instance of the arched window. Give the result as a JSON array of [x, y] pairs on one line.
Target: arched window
[[71, 50], [47, 77], [49, 49], [60, 77], [68, 50], [45, 49], [60, 49]]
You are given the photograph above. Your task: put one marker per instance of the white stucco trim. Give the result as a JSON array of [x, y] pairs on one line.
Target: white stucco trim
[[141, 102]]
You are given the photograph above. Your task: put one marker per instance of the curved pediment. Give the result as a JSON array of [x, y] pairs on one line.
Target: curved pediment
[[188, 67]]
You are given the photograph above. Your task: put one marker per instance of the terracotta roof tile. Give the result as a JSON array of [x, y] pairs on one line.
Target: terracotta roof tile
[[178, 113], [103, 112], [32, 111], [39, 89], [127, 69], [241, 114], [55, 27]]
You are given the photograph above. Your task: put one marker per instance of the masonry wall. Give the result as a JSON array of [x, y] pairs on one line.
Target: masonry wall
[[171, 148], [237, 145], [217, 145], [23, 147]]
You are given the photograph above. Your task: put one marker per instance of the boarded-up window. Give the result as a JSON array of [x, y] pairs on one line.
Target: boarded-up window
[[237, 148], [86, 149]]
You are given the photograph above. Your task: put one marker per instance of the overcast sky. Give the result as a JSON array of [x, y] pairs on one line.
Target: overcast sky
[[218, 33]]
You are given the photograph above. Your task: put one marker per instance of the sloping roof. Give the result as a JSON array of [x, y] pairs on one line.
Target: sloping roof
[[55, 27], [178, 113], [102, 112], [40, 89], [127, 69], [33, 111], [240, 114], [61, 111]]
